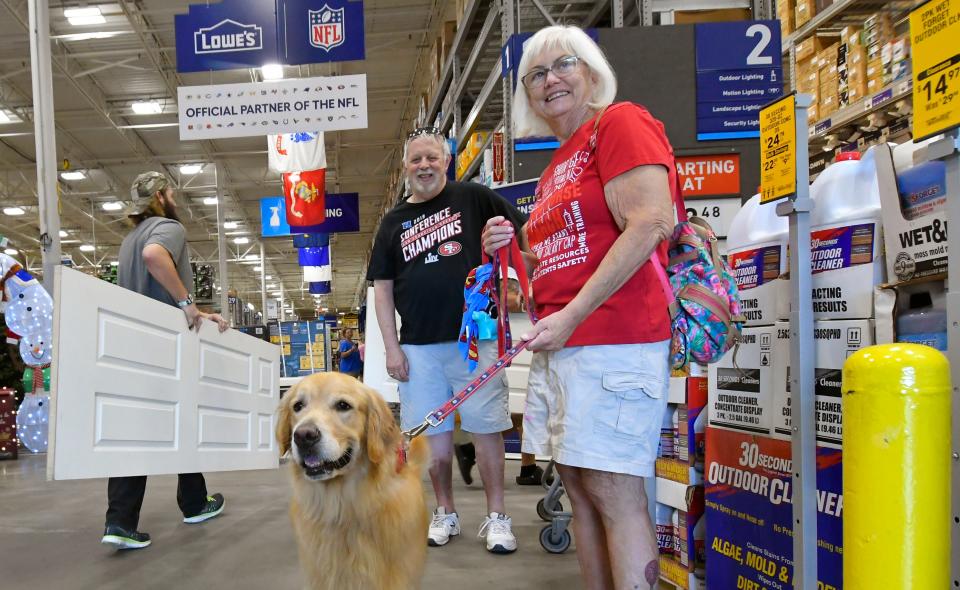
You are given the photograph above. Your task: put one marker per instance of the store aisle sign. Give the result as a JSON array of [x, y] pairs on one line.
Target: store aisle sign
[[521, 195], [709, 175], [342, 216], [739, 69], [934, 30], [264, 108], [778, 150], [241, 34]]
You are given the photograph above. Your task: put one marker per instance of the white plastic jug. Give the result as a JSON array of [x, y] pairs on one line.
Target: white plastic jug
[[757, 254], [846, 238]]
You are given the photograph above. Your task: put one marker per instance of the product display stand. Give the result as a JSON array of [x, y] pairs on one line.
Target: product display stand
[[804, 444]]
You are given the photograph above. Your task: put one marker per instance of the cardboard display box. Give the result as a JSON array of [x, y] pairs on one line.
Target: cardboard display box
[[915, 224], [739, 393], [757, 272], [834, 341]]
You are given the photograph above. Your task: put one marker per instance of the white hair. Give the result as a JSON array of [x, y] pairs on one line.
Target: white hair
[[444, 144], [526, 123]]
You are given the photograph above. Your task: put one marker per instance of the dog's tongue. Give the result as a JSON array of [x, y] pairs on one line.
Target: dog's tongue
[[312, 461]]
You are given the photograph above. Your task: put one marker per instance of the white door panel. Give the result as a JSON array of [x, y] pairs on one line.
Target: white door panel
[[136, 393]]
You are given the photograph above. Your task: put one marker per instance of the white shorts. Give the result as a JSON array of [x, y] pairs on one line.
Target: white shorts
[[598, 407], [439, 370]]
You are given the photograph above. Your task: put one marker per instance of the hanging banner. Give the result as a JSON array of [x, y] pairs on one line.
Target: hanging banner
[[263, 108], [749, 513], [290, 152], [240, 34], [303, 194], [228, 35], [342, 216], [739, 69], [316, 31]]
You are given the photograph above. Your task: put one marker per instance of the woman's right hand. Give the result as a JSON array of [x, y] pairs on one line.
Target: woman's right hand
[[497, 233]]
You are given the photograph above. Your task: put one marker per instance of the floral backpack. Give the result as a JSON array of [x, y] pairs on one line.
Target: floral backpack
[[704, 301]]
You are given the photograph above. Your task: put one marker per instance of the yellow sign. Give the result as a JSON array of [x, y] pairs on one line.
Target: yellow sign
[[934, 31], [778, 150]]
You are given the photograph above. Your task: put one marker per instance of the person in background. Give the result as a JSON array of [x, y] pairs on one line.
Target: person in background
[[349, 354], [154, 261], [599, 377], [423, 251]]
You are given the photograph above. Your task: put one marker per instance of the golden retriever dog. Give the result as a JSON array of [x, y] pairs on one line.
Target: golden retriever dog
[[358, 512]]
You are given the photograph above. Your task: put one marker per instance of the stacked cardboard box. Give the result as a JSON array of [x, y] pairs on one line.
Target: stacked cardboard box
[[827, 66], [877, 32], [804, 11], [786, 16], [807, 70]]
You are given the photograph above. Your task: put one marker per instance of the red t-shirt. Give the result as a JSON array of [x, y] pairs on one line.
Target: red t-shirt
[[571, 228]]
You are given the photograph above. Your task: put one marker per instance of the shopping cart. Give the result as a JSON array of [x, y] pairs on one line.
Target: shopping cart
[[554, 538]]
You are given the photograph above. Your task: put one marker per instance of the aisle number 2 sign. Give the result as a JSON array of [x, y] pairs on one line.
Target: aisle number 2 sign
[[934, 30], [778, 148]]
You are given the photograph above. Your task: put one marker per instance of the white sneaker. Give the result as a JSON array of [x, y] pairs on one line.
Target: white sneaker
[[497, 528], [442, 527]]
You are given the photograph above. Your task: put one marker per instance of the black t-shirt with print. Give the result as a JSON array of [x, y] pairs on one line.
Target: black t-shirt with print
[[427, 250]]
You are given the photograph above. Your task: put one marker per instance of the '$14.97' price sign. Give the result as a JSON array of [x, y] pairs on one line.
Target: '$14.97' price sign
[[934, 31]]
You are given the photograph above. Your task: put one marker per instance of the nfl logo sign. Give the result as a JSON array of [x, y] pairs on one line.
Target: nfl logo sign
[[326, 28]]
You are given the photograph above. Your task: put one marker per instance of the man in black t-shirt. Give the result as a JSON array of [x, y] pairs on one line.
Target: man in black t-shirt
[[424, 249]]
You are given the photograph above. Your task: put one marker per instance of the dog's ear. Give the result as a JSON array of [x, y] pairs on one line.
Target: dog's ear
[[382, 432], [283, 421]]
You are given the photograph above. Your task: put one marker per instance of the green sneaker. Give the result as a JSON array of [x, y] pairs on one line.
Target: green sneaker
[[212, 509], [121, 538]]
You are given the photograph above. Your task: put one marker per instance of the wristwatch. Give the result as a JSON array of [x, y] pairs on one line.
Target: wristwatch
[[185, 302]]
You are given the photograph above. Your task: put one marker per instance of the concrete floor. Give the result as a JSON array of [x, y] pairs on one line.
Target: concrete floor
[[50, 532]]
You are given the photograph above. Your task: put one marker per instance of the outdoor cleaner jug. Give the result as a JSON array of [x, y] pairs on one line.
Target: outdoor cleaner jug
[[846, 257], [757, 254], [923, 323]]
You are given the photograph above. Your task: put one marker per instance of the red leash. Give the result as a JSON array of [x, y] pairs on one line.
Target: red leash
[[506, 349]]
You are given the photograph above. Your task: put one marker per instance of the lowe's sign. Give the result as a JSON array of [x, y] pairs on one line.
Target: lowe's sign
[[242, 34], [226, 36]]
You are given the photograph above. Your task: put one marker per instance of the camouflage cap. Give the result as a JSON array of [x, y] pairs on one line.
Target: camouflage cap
[[144, 187]]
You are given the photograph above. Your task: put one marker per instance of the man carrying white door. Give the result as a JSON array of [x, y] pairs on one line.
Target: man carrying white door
[[424, 249], [154, 262]]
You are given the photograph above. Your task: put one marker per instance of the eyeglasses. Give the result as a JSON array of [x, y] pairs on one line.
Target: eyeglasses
[[561, 68], [424, 131]]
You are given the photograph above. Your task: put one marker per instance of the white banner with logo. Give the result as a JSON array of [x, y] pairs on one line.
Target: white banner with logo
[[264, 108], [293, 152]]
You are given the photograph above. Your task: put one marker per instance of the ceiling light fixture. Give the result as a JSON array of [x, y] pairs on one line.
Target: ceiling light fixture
[[271, 286], [252, 257], [112, 206], [257, 268], [87, 248], [13, 211], [241, 240], [146, 107], [210, 201], [230, 225], [272, 71], [11, 251], [73, 175], [191, 168], [267, 277], [63, 234], [4, 117], [87, 15]]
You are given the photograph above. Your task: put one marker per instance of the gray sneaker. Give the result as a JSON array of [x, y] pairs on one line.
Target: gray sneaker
[[212, 509]]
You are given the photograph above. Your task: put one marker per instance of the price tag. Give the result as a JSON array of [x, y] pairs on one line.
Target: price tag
[[934, 30], [778, 149]]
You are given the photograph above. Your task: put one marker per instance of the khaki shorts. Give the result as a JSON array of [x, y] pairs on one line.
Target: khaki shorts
[[598, 407]]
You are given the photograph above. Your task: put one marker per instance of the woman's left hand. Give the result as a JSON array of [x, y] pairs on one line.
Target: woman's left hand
[[552, 332]]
